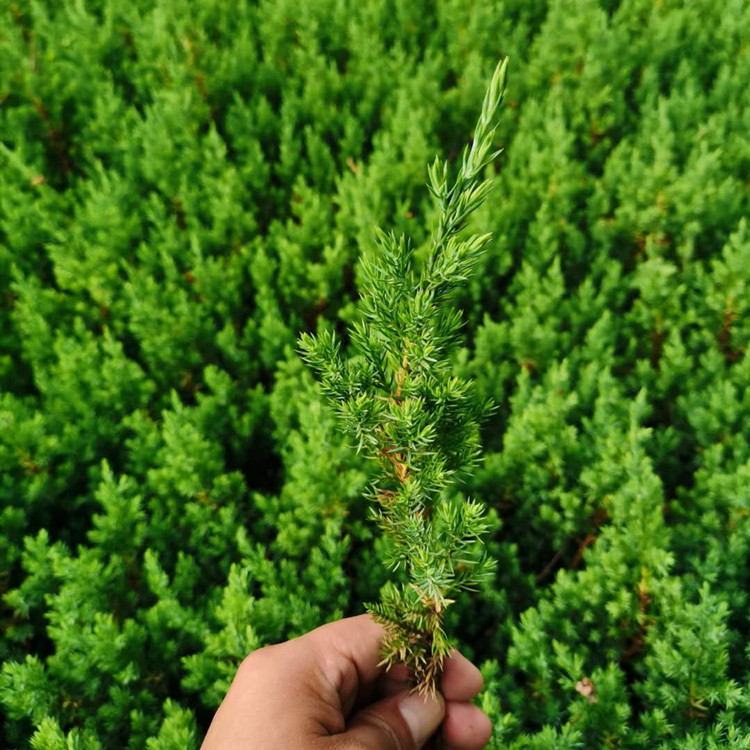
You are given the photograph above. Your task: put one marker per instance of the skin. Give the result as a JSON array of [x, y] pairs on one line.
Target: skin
[[325, 691]]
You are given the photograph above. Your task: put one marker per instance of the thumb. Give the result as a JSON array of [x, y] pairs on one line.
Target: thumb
[[404, 721]]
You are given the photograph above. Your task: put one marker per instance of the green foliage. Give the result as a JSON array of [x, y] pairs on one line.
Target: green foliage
[[187, 187], [398, 399]]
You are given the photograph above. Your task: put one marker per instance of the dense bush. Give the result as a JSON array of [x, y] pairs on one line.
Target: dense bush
[[187, 186]]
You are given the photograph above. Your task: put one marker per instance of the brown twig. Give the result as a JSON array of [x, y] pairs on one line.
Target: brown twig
[[551, 564]]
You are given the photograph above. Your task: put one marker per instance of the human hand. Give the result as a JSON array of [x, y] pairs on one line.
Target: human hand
[[325, 691]]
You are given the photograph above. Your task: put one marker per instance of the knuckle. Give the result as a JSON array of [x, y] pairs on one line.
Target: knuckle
[[256, 659], [394, 739]]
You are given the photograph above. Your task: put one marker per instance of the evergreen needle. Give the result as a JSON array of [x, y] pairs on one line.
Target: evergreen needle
[[404, 408]]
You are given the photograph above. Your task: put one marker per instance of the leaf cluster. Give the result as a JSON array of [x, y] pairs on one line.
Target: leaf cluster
[[398, 398]]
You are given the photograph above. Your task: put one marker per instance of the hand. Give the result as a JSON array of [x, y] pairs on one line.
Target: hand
[[325, 691]]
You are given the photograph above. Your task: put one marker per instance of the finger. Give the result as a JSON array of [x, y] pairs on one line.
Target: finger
[[397, 673], [332, 663], [263, 688], [357, 639], [393, 681], [403, 722], [347, 653], [461, 680], [388, 687], [466, 727]]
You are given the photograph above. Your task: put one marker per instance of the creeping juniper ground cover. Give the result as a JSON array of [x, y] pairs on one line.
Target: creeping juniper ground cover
[[186, 188]]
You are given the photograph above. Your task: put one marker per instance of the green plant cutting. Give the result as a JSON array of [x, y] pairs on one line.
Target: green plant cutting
[[398, 398]]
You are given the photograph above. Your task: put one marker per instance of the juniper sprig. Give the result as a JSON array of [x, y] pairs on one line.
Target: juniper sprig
[[403, 406]]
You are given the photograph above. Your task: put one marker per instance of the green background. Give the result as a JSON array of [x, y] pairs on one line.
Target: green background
[[184, 187]]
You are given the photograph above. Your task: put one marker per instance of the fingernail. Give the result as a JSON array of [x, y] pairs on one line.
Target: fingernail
[[422, 715]]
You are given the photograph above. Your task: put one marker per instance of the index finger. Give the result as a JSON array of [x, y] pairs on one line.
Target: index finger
[[347, 651], [462, 681]]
